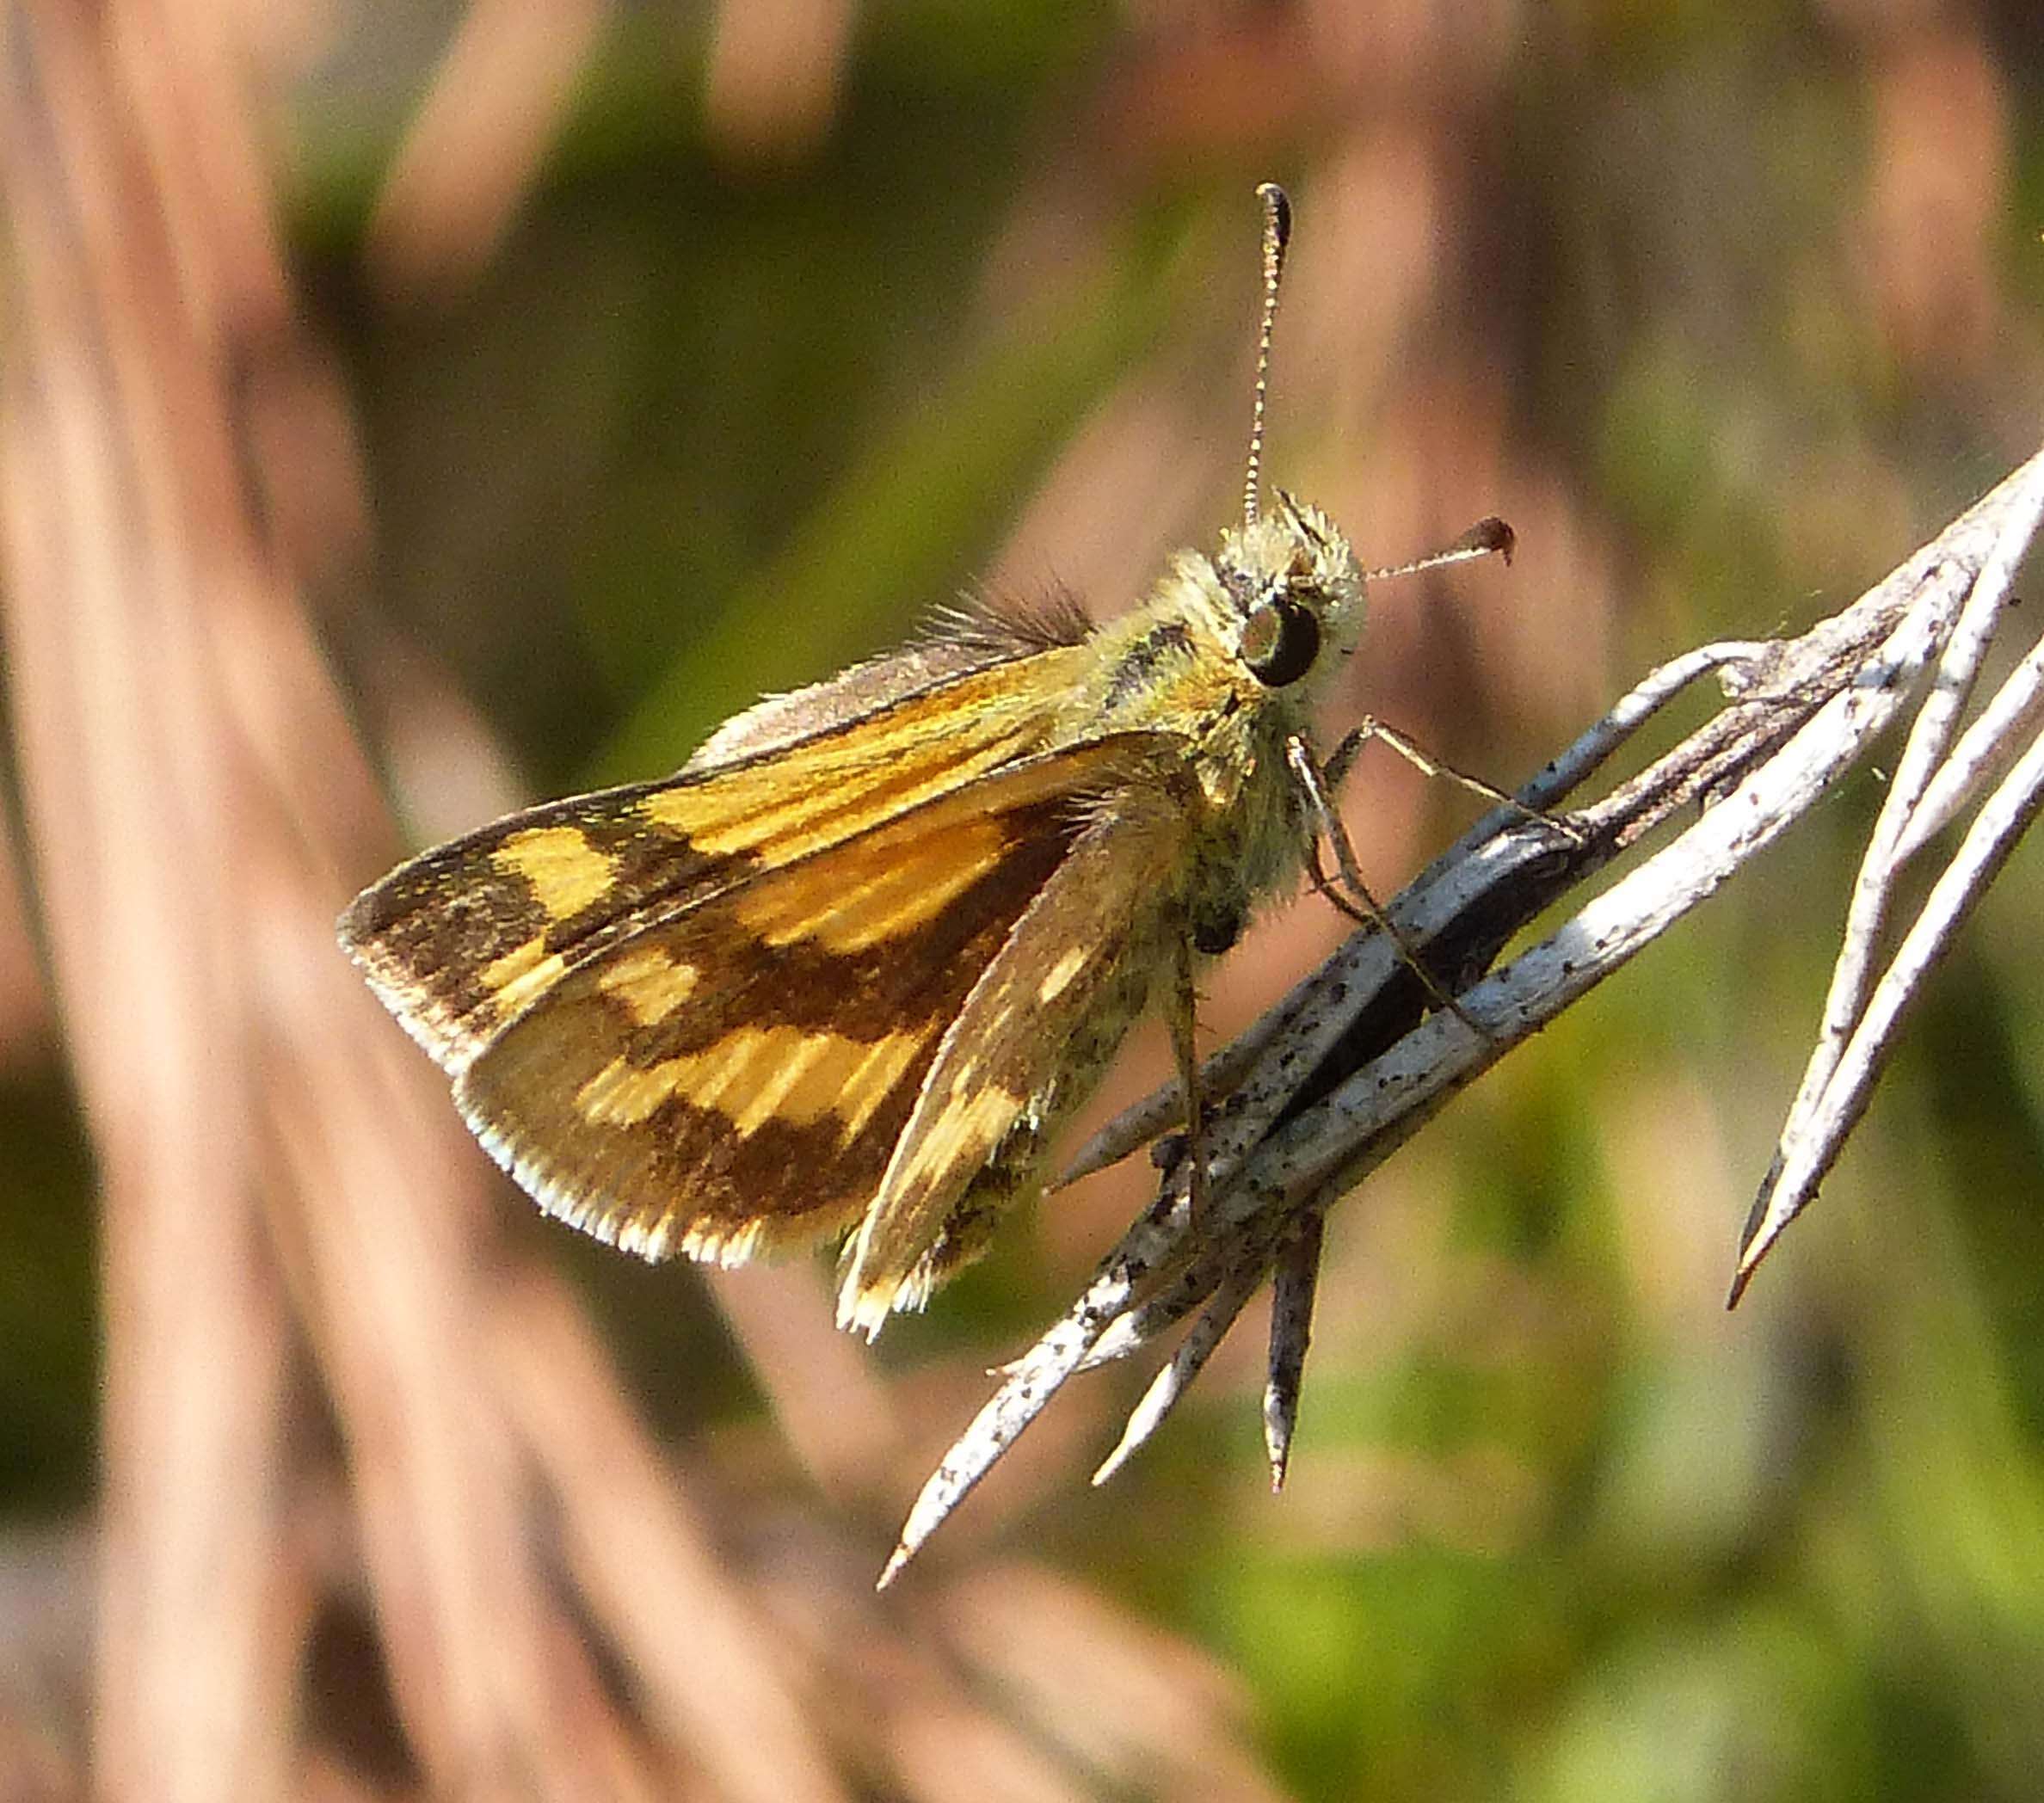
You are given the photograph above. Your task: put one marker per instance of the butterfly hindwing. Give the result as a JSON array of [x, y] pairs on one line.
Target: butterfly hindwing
[[1036, 1028], [733, 1075]]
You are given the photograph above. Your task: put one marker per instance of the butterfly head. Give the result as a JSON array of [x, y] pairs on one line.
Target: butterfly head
[[1295, 591]]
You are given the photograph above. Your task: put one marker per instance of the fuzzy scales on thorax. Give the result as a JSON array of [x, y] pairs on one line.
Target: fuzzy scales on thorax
[[1173, 665]]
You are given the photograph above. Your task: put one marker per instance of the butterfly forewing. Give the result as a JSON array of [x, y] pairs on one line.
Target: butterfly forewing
[[462, 939], [457, 940]]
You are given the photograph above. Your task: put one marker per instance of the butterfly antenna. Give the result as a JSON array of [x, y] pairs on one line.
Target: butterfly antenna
[[1489, 537], [1276, 234]]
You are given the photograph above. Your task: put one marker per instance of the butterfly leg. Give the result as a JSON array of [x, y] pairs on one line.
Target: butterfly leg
[[1370, 727], [1363, 908], [1181, 1011]]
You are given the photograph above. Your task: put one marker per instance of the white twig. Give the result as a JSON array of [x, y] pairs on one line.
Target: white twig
[[1816, 1143], [1982, 753], [1930, 739], [1831, 1098], [1294, 1279], [1186, 1363]]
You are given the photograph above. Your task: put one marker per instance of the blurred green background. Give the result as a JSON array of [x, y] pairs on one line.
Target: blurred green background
[[1726, 308]]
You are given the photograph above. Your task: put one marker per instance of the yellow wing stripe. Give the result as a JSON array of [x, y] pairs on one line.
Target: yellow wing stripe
[[750, 810], [782, 1073], [832, 789], [1027, 1043]]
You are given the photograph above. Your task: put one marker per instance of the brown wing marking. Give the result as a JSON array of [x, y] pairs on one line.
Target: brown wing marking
[[459, 939], [731, 1078], [998, 1070]]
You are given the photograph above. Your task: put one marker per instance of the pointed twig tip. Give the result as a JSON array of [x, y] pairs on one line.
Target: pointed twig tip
[[1750, 1255]]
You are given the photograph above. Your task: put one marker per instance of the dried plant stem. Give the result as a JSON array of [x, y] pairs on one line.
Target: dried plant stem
[[285, 1195]]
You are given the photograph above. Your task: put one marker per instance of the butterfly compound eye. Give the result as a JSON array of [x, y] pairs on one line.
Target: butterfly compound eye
[[1280, 639]]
